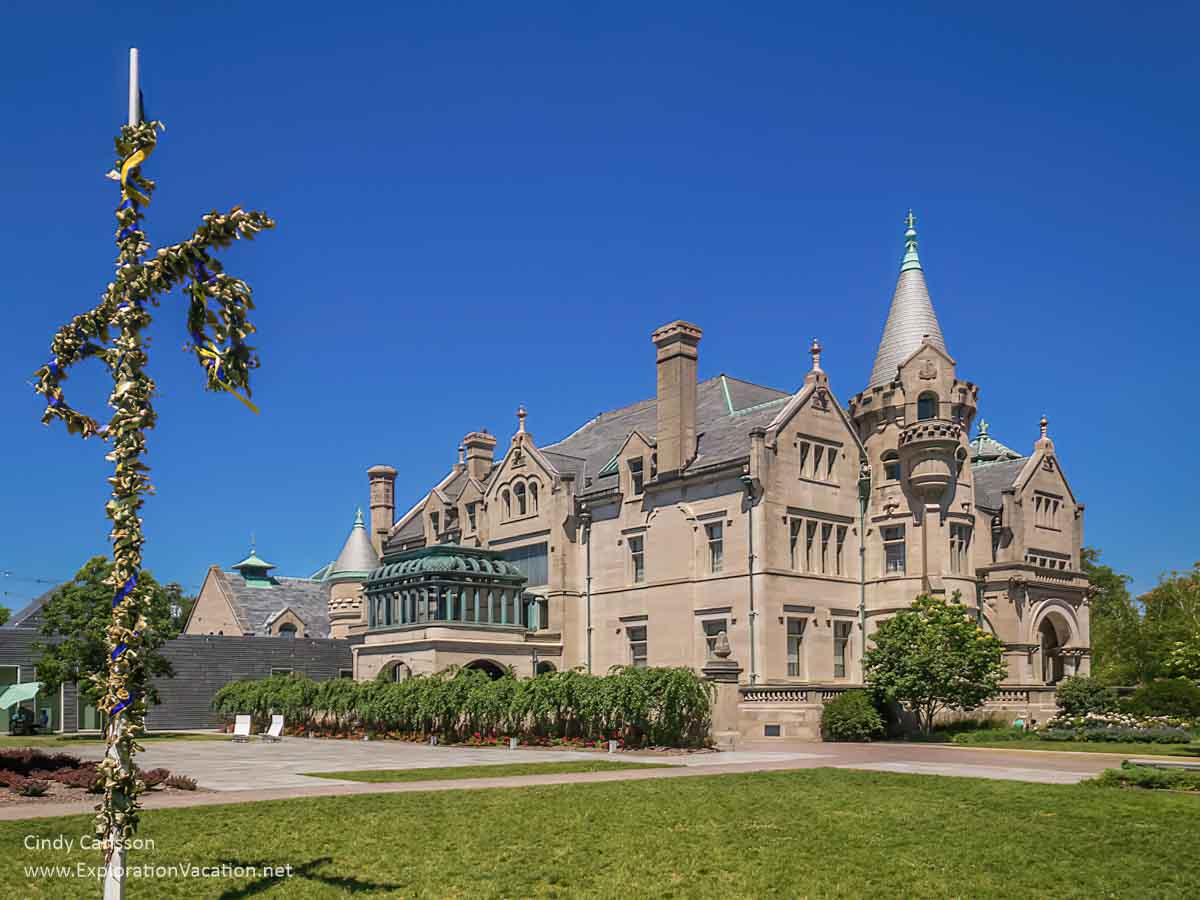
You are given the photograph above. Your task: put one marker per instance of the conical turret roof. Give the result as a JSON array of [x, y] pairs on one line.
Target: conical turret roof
[[911, 318], [358, 557]]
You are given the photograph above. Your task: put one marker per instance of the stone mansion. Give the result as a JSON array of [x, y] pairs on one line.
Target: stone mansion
[[783, 518]]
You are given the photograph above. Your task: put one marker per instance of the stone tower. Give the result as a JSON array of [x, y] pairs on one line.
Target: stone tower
[[914, 419], [383, 504], [346, 578]]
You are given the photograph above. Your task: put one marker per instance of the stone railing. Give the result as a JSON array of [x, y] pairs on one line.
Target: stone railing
[[938, 430], [783, 693]]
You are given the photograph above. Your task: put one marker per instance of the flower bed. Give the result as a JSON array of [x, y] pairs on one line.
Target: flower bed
[[29, 772], [1118, 727]]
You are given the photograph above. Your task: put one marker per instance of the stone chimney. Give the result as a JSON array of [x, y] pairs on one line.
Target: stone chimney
[[383, 504], [676, 344], [480, 449]]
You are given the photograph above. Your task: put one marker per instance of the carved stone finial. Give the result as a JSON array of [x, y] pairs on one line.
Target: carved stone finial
[[721, 648], [521, 414], [815, 350], [1045, 422], [462, 454]]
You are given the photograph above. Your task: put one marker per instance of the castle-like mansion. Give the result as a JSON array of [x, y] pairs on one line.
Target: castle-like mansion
[[785, 519]]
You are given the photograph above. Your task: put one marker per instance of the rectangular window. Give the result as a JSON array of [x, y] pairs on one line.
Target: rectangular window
[[433, 522], [841, 643], [830, 458], [810, 536], [960, 547], [638, 645], [471, 515], [804, 448], [532, 561], [712, 628], [636, 482], [795, 647], [637, 559], [716, 546], [841, 546], [281, 671], [818, 453], [796, 526], [893, 550], [826, 535], [345, 673]]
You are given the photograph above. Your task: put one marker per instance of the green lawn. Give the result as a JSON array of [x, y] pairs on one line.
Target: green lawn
[[455, 773], [811, 833], [66, 741], [1132, 748]]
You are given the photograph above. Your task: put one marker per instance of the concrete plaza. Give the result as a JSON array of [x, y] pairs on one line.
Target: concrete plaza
[[244, 772]]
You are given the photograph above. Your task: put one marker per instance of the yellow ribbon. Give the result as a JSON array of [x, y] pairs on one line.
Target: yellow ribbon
[[127, 167], [204, 351]]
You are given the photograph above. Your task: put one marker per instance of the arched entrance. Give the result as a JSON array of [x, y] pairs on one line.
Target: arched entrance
[[1052, 637], [491, 669], [545, 668]]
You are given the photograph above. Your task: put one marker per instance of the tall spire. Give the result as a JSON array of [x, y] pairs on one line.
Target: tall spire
[[911, 319]]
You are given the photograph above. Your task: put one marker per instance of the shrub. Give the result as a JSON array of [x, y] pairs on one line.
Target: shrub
[[27, 759], [1079, 695], [1165, 697], [154, 777], [181, 783], [988, 735], [652, 706], [851, 716], [85, 777], [1130, 775]]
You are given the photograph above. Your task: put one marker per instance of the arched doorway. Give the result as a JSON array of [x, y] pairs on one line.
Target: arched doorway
[[1052, 636], [491, 669], [399, 671], [545, 668]]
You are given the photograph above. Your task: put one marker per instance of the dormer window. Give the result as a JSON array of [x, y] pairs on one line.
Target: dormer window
[[636, 479], [471, 515], [927, 406], [434, 522]]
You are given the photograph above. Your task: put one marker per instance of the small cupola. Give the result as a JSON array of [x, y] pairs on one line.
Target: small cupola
[[255, 570]]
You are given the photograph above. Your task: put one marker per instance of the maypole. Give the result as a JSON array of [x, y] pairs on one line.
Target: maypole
[[112, 332]]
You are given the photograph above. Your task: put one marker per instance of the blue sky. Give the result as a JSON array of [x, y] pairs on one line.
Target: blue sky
[[482, 205]]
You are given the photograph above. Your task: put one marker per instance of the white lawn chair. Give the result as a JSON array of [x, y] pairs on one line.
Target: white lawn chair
[[274, 734], [241, 729]]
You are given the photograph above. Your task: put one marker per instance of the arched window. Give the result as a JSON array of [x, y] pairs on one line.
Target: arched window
[[519, 490], [927, 406], [545, 668], [506, 499], [891, 466], [287, 630], [533, 496]]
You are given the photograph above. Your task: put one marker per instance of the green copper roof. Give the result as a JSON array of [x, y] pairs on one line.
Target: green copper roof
[[911, 260], [253, 562], [986, 450], [448, 562]]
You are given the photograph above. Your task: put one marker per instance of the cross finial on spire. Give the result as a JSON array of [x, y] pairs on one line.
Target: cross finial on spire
[[910, 220], [358, 518], [911, 260], [815, 350], [521, 414], [252, 543], [983, 427]]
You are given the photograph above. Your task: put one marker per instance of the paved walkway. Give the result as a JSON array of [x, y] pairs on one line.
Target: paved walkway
[[238, 773]]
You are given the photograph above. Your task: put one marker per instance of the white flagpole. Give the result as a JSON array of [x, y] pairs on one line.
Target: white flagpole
[[114, 872], [135, 115]]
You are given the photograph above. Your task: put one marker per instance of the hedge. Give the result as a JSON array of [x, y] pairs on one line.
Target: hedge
[[639, 706]]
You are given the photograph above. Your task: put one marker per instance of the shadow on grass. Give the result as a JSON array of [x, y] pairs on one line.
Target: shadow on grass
[[307, 871]]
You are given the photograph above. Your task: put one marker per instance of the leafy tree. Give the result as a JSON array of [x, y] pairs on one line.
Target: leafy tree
[[1171, 625], [1119, 653], [181, 602], [1184, 659], [5, 613], [77, 618], [933, 656]]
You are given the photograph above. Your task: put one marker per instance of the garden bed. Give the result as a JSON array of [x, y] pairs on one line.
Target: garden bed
[[33, 775]]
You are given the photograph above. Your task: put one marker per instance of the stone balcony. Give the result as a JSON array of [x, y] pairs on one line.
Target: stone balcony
[[927, 449]]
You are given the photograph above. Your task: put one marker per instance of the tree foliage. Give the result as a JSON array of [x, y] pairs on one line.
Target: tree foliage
[[76, 620], [934, 656], [657, 706]]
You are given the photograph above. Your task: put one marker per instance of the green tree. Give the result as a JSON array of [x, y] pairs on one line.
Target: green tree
[[76, 619], [1171, 625], [5, 613], [933, 656], [181, 604], [1119, 652]]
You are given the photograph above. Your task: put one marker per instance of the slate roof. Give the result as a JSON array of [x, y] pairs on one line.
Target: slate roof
[[910, 317], [726, 410], [30, 615], [992, 479], [255, 606]]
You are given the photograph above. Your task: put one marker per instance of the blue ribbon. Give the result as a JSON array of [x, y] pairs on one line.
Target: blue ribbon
[[118, 650], [125, 591], [124, 703], [125, 232]]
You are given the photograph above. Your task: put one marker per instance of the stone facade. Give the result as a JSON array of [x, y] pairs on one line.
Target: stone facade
[[786, 520]]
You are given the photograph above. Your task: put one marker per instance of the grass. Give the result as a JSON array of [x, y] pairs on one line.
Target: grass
[[1131, 748], [75, 740], [455, 773], [812, 833]]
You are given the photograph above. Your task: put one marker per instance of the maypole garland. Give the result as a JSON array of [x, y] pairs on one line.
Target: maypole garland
[[218, 327]]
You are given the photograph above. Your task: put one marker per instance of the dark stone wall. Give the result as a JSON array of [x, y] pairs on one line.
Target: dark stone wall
[[203, 664]]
